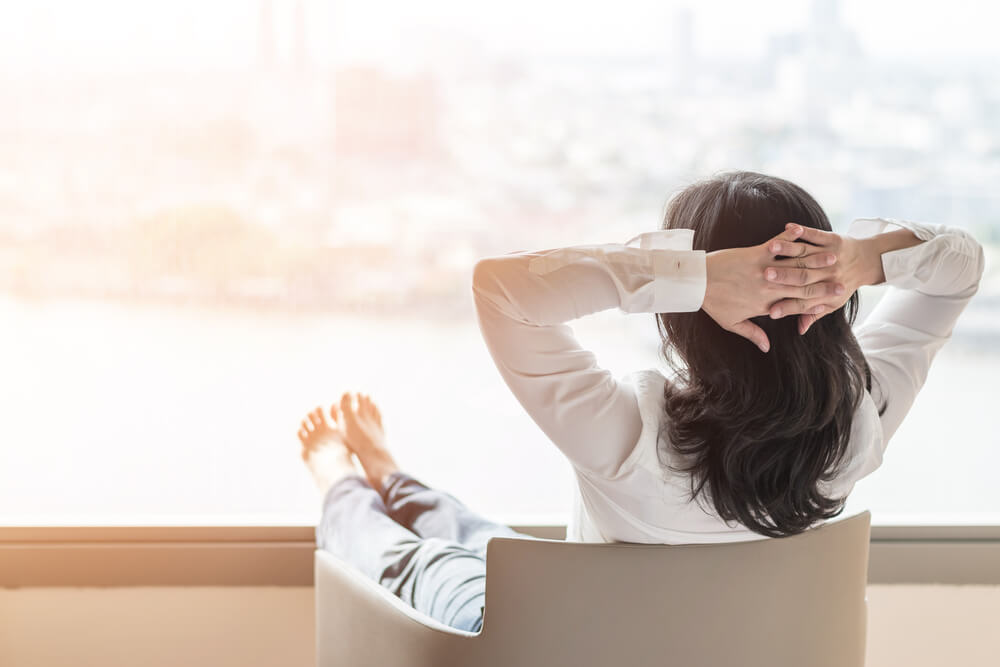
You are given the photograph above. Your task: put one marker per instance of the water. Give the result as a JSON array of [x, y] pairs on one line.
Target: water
[[124, 414]]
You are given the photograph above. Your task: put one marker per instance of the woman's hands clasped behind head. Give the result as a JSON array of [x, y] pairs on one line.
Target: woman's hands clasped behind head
[[850, 270], [813, 279]]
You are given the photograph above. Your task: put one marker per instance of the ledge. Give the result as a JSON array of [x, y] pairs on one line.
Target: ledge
[[101, 556]]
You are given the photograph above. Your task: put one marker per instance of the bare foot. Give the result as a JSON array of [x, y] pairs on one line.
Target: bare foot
[[365, 436], [324, 451]]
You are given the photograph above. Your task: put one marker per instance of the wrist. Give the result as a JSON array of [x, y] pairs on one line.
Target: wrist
[[871, 252], [882, 243]]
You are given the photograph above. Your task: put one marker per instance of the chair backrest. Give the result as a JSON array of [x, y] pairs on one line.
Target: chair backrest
[[797, 601]]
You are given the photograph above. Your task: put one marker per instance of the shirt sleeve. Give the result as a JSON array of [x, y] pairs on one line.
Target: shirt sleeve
[[523, 301], [929, 286]]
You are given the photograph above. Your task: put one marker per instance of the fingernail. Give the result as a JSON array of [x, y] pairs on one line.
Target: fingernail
[[796, 229], [839, 289], [776, 313], [817, 310], [771, 274], [775, 247], [831, 259]]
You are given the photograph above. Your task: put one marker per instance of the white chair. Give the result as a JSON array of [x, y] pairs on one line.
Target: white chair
[[790, 602]]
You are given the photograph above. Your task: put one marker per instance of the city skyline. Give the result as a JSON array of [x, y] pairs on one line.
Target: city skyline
[[53, 36]]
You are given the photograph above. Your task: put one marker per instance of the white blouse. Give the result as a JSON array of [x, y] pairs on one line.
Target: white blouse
[[607, 427]]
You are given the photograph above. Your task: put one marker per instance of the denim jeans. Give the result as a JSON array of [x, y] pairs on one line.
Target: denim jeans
[[422, 544]]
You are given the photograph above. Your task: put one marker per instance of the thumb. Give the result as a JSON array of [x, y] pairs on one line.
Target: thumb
[[752, 333], [807, 320]]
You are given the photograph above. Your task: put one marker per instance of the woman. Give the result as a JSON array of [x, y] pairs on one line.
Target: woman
[[774, 411]]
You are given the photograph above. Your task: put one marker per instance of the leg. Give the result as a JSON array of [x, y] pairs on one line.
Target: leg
[[433, 513], [437, 577], [425, 511]]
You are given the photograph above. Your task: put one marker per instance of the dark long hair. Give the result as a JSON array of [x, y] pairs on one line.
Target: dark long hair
[[757, 432]]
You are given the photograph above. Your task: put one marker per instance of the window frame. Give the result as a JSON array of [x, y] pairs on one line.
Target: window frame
[[272, 555]]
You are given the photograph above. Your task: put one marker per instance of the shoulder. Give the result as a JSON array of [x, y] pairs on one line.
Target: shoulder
[[864, 451], [648, 386]]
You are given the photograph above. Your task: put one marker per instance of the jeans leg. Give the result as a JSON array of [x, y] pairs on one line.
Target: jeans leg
[[356, 528], [431, 513], [437, 577]]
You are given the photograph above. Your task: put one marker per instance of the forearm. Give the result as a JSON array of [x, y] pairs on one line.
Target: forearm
[[876, 246], [555, 286], [948, 261]]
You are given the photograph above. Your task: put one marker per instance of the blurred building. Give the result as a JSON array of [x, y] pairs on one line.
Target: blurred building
[[382, 115]]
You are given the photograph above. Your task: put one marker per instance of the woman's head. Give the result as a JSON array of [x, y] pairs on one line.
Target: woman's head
[[759, 432]]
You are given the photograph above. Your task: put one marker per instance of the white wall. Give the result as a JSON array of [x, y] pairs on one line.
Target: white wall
[[915, 626], [156, 627]]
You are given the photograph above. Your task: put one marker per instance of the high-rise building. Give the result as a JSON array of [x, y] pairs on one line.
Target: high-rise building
[[265, 35], [682, 54], [301, 51]]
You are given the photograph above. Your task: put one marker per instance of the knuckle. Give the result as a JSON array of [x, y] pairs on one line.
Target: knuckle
[[802, 276]]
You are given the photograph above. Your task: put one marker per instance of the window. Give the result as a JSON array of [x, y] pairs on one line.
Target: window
[[214, 216]]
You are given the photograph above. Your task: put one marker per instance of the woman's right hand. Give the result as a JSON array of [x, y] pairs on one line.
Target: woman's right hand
[[858, 263]]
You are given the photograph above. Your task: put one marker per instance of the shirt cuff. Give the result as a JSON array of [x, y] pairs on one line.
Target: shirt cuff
[[679, 273], [679, 280]]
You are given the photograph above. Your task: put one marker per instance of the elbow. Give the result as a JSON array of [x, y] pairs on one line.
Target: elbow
[[981, 259], [486, 281], [483, 273], [978, 261], [487, 275], [970, 260], [496, 284]]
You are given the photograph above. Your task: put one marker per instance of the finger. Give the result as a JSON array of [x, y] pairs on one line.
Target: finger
[[791, 233], [811, 234], [806, 321], [306, 426], [303, 436], [799, 307], [813, 260], [316, 419], [785, 275], [780, 246], [829, 289], [752, 333], [788, 236]]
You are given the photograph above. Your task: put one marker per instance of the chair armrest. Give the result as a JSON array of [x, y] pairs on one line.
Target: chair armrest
[[360, 623]]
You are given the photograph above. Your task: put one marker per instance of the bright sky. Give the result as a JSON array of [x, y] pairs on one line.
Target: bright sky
[[124, 34]]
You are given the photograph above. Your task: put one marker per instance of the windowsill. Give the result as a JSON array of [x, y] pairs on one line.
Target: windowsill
[[282, 555]]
